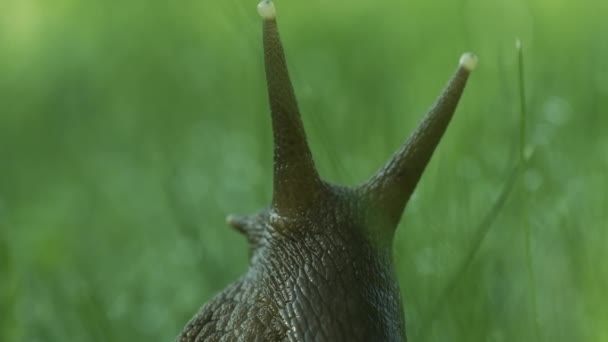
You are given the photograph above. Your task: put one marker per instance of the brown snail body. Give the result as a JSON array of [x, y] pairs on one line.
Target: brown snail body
[[321, 265]]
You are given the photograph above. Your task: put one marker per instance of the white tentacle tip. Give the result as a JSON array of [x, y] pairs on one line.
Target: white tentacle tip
[[468, 61], [267, 10], [231, 220]]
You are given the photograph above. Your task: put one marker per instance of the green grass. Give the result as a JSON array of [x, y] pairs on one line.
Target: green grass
[[129, 130]]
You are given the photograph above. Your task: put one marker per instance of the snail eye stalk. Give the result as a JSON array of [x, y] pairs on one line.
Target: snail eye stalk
[[391, 187], [296, 183]]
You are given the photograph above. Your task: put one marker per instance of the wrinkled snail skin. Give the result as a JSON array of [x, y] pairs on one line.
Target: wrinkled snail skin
[[321, 264]]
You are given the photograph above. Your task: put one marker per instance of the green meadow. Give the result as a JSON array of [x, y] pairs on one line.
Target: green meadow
[[130, 129]]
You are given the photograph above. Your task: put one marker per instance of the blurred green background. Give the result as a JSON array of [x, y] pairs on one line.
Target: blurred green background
[[130, 129]]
